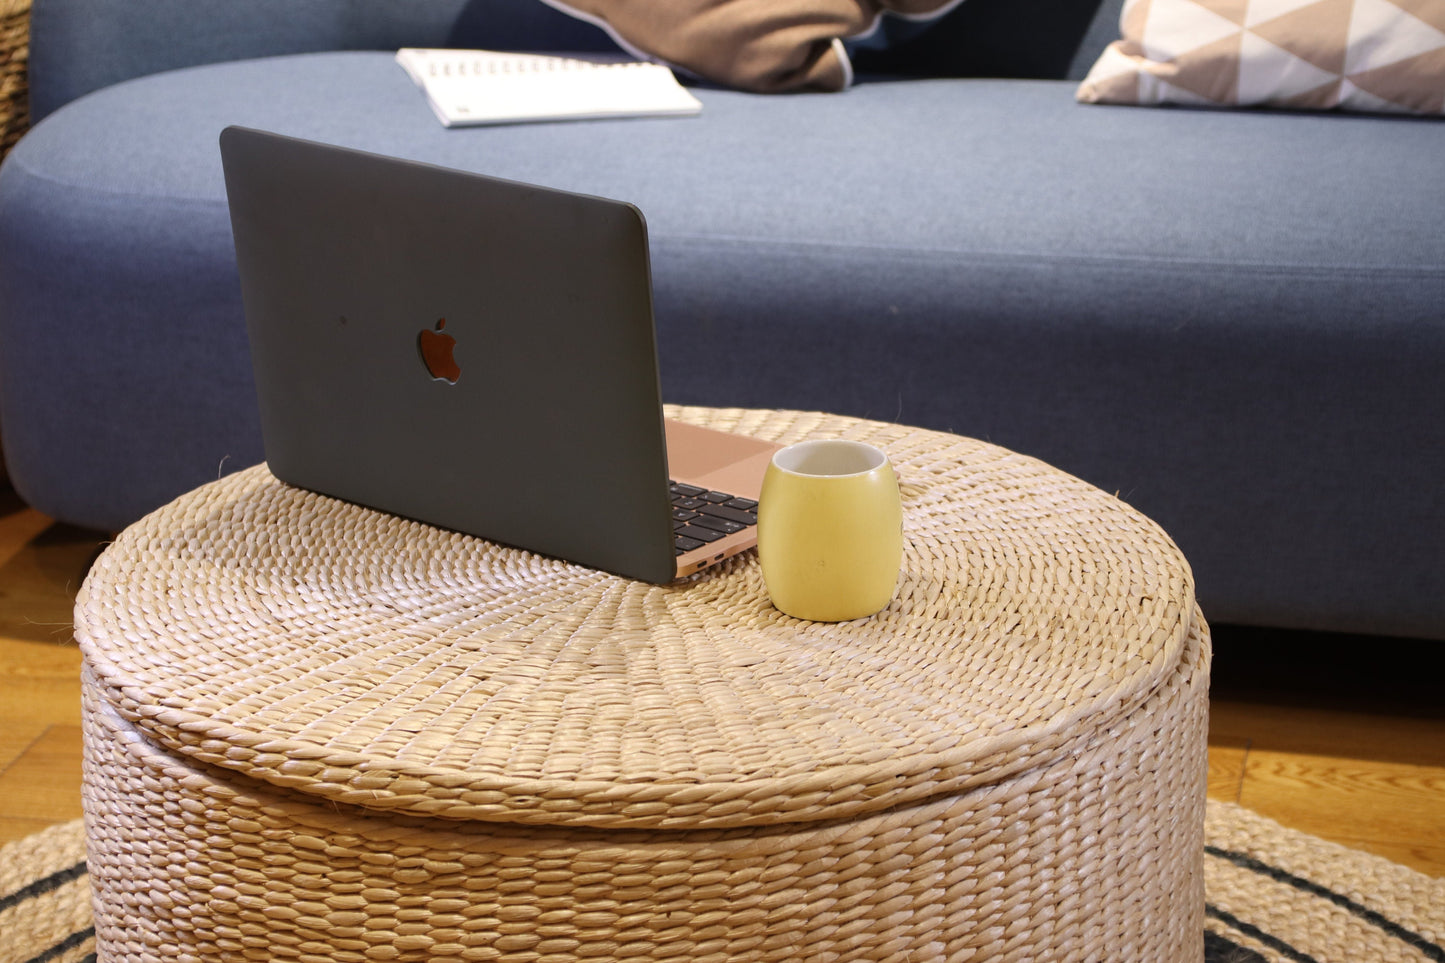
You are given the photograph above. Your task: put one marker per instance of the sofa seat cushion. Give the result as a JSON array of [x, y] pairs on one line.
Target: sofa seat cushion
[[1205, 311]]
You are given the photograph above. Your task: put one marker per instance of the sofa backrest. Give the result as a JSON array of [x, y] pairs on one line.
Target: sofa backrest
[[1043, 39], [77, 46], [1103, 29]]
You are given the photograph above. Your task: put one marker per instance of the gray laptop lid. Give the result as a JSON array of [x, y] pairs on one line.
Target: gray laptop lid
[[551, 436]]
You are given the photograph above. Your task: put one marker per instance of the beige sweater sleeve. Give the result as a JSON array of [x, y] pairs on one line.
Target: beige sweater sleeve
[[759, 45]]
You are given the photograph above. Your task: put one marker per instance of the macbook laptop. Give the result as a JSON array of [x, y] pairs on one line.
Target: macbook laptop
[[474, 353]]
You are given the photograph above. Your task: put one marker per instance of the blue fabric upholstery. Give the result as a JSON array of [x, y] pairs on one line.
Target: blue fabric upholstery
[[82, 45], [1233, 319]]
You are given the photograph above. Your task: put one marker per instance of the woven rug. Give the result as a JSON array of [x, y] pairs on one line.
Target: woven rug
[[1273, 894]]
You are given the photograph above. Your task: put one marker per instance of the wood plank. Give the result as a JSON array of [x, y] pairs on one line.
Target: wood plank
[[1429, 860], [44, 783], [42, 565], [39, 684], [1362, 803], [16, 734], [24, 661], [1226, 772], [18, 525], [1328, 731]]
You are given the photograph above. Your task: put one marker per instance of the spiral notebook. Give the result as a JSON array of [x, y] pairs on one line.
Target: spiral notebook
[[471, 87]]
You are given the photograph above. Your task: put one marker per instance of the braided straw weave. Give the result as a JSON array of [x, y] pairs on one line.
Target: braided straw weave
[[45, 898], [14, 90], [318, 732]]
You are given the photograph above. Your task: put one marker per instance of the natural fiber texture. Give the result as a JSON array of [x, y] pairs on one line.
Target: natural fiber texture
[[397, 666], [1282, 895], [1008, 760], [45, 898], [1288, 896], [14, 89]]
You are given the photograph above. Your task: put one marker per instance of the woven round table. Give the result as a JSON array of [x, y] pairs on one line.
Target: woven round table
[[316, 732]]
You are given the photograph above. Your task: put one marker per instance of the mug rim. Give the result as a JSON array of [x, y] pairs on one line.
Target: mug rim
[[877, 456]]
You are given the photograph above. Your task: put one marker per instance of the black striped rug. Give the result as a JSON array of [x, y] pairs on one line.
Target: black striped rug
[[1272, 894]]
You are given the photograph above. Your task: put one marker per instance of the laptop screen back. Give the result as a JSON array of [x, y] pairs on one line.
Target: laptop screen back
[[546, 435]]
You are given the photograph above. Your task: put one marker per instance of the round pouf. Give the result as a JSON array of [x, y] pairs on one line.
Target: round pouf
[[317, 732]]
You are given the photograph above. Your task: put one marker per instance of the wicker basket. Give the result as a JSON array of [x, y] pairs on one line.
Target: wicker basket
[[14, 53], [316, 732], [14, 91]]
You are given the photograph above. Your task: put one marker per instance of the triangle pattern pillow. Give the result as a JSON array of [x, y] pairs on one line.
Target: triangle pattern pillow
[[1363, 55]]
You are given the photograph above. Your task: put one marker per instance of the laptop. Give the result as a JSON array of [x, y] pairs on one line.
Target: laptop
[[474, 353]]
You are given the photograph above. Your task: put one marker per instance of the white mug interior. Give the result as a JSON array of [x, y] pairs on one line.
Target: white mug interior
[[829, 458]]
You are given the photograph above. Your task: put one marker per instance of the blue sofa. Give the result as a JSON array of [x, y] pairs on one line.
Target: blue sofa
[[1233, 319]]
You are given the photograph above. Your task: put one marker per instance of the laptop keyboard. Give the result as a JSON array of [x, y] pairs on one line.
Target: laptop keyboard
[[700, 516]]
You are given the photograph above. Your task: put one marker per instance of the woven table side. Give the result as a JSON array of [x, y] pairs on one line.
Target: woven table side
[[379, 662], [1095, 856]]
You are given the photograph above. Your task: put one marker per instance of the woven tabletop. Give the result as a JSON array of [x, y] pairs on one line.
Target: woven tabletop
[[381, 662]]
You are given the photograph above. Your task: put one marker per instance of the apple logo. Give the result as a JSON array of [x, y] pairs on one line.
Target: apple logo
[[436, 353]]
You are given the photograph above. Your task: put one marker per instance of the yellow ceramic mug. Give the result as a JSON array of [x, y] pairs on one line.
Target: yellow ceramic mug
[[830, 530]]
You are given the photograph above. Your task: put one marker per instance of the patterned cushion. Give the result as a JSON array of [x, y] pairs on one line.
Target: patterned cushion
[[1365, 55]]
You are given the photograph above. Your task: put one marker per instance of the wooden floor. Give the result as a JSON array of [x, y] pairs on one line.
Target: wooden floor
[[1339, 736]]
